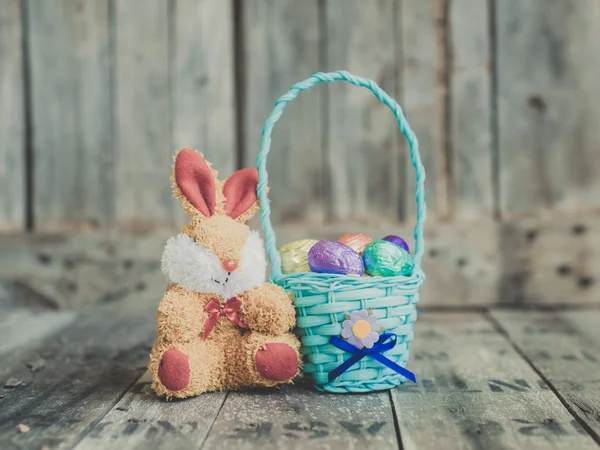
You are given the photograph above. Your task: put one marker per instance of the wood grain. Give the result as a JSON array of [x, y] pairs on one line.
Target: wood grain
[[474, 391], [85, 370], [566, 350], [113, 91], [470, 109], [297, 418], [547, 117], [463, 262], [553, 261], [424, 97], [12, 123], [281, 47], [141, 420], [586, 324], [363, 141], [202, 79], [142, 116], [80, 269], [21, 327], [70, 100]]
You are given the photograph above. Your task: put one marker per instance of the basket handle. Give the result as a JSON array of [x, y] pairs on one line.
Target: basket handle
[[265, 146]]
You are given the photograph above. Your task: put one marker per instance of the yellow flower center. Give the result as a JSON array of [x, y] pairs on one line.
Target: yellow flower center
[[361, 329]]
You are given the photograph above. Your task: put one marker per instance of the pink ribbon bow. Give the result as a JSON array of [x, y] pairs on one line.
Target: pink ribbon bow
[[216, 310]]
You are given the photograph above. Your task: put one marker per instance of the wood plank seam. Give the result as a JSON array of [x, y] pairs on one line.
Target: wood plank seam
[[401, 209], [396, 422], [28, 117], [214, 420], [324, 100], [503, 332], [108, 408], [494, 128], [445, 68], [239, 88], [112, 92]]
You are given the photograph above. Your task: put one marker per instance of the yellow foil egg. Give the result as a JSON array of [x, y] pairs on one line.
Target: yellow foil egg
[[356, 241], [294, 256]]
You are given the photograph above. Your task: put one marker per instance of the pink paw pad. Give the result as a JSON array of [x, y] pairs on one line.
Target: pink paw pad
[[174, 370], [277, 362]]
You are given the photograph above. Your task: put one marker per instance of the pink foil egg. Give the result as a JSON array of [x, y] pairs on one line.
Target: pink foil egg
[[356, 241], [335, 257]]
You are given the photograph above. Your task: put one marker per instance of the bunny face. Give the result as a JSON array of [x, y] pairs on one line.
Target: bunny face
[[195, 267], [216, 252]]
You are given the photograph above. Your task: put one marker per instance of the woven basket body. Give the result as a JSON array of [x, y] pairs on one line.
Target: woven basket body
[[323, 300]]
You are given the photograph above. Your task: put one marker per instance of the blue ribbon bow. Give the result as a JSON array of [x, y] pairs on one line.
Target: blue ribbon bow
[[386, 342]]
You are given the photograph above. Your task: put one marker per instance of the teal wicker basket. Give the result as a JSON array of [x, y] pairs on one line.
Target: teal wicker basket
[[323, 300]]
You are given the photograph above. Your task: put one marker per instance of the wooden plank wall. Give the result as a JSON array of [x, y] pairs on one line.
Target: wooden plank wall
[[548, 69], [95, 97], [68, 45], [12, 125], [280, 41]]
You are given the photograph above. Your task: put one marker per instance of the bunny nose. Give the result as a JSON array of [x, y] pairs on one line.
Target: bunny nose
[[230, 265]]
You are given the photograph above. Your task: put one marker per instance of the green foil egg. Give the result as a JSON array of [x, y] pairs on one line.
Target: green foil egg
[[384, 259]]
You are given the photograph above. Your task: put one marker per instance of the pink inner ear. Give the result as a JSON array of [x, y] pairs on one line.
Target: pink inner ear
[[195, 181], [240, 192]]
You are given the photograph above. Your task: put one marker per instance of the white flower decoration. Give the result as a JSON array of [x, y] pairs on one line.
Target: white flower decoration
[[361, 330]]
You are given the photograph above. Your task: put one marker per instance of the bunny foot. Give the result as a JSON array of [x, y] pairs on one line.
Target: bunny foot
[[174, 370], [277, 361], [259, 359], [185, 370]]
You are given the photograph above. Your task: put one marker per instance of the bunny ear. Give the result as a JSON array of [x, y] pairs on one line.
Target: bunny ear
[[240, 194], [195, 183]]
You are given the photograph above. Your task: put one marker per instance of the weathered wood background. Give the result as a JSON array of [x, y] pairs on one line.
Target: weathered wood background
[[75, 379], [97, 95]]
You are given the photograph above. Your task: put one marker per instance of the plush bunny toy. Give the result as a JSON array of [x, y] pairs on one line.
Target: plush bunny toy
[[219, 325]]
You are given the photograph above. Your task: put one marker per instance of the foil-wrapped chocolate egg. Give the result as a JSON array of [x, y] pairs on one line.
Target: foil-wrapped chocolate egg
[[294, 256], [398, 241], [356, 241], [385, 259], [334, 257]]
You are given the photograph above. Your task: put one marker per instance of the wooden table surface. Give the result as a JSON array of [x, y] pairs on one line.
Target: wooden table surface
[[75, 377]]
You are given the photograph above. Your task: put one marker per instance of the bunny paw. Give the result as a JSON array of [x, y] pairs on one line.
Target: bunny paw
[[276, 361], [174, 370]]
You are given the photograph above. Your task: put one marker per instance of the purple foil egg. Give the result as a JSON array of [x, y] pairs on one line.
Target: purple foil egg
[[335, 257], [398, 241]]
